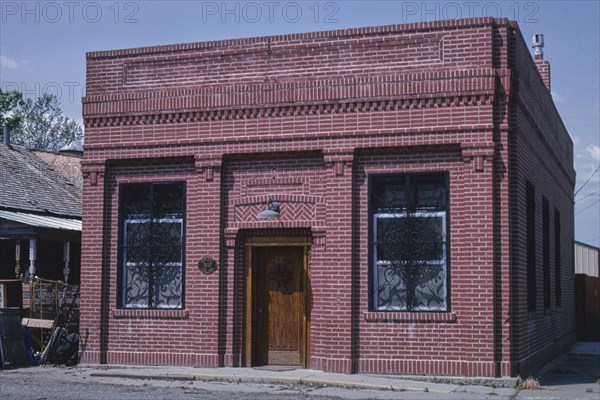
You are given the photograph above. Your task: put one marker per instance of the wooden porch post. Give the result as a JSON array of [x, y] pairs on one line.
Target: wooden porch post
[[18, 259], [32, 257], [66, 257]]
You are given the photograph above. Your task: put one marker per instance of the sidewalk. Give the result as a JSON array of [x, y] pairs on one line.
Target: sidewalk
[[116, 381], [287, 375], [573, 375]]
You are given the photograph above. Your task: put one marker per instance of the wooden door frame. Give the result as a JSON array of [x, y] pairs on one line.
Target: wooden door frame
[[274, 241]]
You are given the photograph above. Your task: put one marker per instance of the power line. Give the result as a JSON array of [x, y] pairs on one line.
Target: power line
[[593, 204], [588, 179], [586, 196]]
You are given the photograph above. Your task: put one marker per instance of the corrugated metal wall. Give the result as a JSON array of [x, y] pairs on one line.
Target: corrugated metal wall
[[587, 259]]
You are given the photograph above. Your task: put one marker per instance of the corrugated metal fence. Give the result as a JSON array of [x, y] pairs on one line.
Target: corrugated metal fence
[[587, 259]]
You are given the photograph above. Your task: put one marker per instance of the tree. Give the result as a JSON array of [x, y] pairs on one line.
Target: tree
[[10, 101], [38, 124]]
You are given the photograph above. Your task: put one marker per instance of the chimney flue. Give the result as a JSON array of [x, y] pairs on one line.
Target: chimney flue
[[6, 135], [543, 66], [537, 42]]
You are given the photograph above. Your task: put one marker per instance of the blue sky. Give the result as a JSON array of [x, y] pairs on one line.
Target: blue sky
[[43, 46]]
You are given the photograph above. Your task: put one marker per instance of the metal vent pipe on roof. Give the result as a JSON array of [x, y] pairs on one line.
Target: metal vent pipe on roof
[[537, 42], [6, 135]]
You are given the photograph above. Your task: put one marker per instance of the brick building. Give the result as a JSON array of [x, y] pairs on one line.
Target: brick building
[[393, 199]]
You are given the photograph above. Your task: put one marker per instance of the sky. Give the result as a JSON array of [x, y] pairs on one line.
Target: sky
[[43, 46]]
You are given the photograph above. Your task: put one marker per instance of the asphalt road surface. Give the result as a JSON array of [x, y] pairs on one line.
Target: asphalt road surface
[[57, 383], [73, 386]]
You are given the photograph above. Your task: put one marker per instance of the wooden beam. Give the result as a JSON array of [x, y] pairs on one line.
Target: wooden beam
[[37, 323]]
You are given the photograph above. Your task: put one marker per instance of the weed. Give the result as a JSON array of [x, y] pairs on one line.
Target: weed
[[529, 384]]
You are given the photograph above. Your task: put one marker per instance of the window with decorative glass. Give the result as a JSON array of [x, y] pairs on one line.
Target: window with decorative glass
[[409, 227], [152, 245]]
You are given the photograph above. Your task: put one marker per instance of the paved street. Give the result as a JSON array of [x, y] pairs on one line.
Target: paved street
[[41, 387]]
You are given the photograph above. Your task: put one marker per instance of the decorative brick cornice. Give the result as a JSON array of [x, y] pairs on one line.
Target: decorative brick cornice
[[350, 95], [289, 110]]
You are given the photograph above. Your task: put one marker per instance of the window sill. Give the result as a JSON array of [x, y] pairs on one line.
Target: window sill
[[150, 314], [380, 316]]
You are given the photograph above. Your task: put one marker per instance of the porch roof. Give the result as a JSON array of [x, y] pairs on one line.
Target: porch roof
[[41, 221]]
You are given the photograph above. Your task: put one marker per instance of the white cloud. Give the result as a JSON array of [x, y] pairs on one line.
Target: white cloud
[[8, 62], [558, 98], [594, 151]]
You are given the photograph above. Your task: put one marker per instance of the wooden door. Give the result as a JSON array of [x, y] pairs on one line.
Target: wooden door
[[279, 328]]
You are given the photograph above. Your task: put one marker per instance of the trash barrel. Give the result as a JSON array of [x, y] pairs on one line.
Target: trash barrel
[[12, 341]]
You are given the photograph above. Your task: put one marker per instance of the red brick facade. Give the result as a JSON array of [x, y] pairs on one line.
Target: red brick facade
[[306, 120]]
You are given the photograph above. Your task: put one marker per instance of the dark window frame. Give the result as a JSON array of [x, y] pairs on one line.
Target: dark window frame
[[120, 302], [546, 252], [372, 180], [557, 259], [531, 246]]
